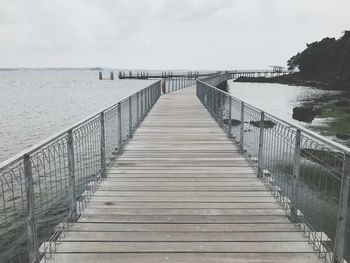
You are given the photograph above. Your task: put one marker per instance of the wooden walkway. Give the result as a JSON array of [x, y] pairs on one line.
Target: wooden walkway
[[181, 192]]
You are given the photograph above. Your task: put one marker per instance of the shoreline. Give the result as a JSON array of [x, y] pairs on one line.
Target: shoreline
[[334, 109], [294, 79]]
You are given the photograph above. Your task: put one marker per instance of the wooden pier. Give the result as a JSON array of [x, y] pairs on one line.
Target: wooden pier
[[182, 192], [234, 74]]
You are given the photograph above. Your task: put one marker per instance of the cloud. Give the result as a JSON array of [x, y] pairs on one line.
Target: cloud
[[201, 34], [192, 11]]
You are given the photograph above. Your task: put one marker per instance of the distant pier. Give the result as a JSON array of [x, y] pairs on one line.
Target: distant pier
[[194, 74]]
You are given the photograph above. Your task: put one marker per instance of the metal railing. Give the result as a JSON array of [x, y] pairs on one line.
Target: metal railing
[[43, 189], [173, 84], [307, 173], [217, 79]]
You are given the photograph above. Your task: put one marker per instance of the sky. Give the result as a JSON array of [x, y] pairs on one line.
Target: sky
[[164, 34]]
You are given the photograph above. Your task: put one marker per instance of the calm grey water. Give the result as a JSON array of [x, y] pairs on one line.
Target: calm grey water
[[35, 104], [276, 99]]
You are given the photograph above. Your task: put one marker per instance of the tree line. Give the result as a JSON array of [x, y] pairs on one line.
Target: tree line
[[327, 60]]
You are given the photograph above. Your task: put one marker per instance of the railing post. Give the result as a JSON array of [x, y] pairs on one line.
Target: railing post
[[142, 95], [216, 104], [229, 116], [296, 164], [120, 135], [159, 89], [103, 146], [342, 212], [261, 145], [155, 93], [149, 98], [146, 100], [130, 118], [222, 105], [212, 98], [70, 154], [137, 106], [210, 101], [241, 139], [152, 94], [32, 238]]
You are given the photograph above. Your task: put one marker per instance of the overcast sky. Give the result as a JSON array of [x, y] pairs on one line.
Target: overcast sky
[[164, 34]]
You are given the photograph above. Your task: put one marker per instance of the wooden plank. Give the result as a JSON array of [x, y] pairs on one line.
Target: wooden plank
[[181, 179], [177, 159], [180, 227], [104, 192], [183, 211], [174, 174], [189, 219], [184, 184], [184, 199], [186, 257], [160, 236], [173, 165], [197, 247], [184, 188], [181, 170], [194, 205]]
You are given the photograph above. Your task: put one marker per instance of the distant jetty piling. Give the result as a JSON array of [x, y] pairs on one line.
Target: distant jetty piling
[[159, 75], [111, 76], [194, 74]]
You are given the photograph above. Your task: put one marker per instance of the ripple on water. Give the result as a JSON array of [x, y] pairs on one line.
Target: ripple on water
[[37, 104]]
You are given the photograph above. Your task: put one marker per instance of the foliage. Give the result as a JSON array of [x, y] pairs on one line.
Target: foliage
[[325, 60]]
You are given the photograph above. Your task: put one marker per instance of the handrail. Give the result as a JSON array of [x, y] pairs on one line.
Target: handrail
[[319, 137], [43, 188], [171, 84], [44, 142], [308, 173]]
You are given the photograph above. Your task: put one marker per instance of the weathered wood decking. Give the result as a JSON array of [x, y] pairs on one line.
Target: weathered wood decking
[[181, 192]]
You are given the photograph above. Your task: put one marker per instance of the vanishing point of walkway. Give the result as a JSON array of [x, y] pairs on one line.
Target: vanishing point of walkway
[[181, 192]]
